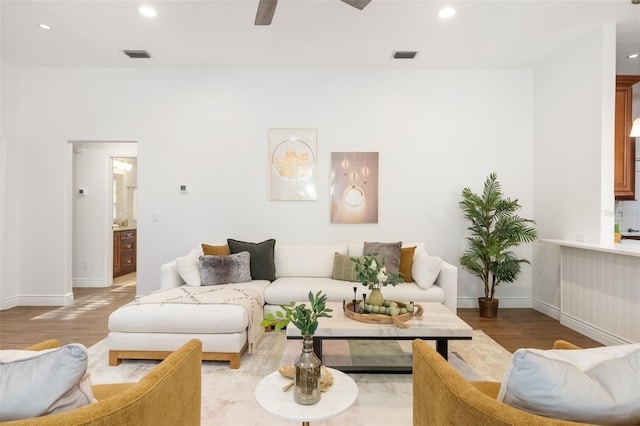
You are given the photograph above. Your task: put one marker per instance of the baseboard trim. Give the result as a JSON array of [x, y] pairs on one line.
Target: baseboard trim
[[89, 282], [505, 302], [546, 308], [10, 302], [592, 331], [38, 300]]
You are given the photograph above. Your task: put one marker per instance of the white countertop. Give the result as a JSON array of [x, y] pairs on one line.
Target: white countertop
[[628, 248], [124, 228]]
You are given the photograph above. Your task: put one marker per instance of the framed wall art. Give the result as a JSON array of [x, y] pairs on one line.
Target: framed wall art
[[354, 187], [293, 164]]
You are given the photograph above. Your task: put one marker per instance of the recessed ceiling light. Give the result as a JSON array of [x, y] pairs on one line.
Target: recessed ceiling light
[[147, 11], [44, 26], [446, 12], [633, 56]]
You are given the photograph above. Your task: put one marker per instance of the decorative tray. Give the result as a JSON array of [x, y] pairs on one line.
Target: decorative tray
[[374, 318]]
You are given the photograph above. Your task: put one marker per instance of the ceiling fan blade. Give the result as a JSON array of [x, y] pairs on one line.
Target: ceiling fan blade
[[266, 9], [358, 4]]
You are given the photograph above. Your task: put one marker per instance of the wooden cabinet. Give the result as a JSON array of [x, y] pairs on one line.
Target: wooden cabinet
[[124, 252], [625, 147]]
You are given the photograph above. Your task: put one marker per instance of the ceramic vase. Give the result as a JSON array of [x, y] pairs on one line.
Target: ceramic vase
[[306, 389], [376, 298]]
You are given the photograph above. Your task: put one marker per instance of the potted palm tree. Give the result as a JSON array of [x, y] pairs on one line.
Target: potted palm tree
[[495, 228]]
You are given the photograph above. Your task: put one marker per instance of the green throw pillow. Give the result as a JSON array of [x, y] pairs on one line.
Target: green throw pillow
[[344, 269], [262, 263]]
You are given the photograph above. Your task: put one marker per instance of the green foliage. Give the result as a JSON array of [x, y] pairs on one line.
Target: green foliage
[[374, 274], [495, 228], [305, 319]]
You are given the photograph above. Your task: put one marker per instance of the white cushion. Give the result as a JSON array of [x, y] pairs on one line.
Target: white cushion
[[357, 249], [37, 383], [306, 260], [425, 269], [188, 267], [296, 289], [598, 385]]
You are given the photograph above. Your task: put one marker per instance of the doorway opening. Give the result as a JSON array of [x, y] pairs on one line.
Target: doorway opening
[[124, 216], [104, 206]]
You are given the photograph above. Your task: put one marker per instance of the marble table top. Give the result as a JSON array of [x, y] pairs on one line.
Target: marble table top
[[340, 396], [437, 321]]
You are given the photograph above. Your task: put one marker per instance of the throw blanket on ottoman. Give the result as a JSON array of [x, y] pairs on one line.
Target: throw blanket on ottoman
[[250, 300]]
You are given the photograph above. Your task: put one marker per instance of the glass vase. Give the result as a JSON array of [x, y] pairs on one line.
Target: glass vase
[[306, 390], [376, 298]]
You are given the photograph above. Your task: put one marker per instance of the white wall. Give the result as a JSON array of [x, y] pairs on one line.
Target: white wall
[[11, 219], [573, 153], [436, 130], [92, 264]]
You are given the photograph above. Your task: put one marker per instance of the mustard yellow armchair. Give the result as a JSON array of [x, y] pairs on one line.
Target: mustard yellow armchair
[[442, 397], [169, 394]]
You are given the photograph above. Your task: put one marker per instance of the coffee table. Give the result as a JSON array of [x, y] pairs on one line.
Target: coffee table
[[437, 323], [340, 396]]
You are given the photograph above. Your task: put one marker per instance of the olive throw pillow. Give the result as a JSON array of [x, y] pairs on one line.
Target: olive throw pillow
[[262, 261], [389, 252], [344, 269]]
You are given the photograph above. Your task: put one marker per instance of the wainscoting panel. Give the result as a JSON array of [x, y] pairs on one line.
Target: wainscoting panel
[[601, 291]]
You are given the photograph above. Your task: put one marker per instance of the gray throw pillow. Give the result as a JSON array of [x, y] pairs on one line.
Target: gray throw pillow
[[344, 269], [233, 268], [389, 253], [263, 266], [44, 382]]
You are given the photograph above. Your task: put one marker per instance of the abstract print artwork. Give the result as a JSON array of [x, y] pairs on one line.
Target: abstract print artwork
[[354, 187], [293, 164]]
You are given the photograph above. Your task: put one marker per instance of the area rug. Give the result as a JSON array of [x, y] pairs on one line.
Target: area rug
[[383, 399]]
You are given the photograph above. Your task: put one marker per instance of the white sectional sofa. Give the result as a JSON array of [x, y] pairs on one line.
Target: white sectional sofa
[[301, 268], [151, 331]]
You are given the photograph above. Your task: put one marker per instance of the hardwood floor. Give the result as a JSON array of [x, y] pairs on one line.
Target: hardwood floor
[[524, 328], [85, 321]]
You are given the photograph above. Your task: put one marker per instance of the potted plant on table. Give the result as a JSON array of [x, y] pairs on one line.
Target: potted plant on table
[[495, 228], [374, 275], [307, 368]]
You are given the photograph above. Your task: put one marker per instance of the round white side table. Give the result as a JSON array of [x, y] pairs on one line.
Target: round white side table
[[340, 396]]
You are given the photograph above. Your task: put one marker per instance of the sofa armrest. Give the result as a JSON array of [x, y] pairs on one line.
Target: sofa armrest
[[448, 281], [169, 277], [47, 344], [563, 344], [442, 397]]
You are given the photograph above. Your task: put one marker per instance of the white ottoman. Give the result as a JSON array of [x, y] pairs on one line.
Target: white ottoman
[[154, 330]]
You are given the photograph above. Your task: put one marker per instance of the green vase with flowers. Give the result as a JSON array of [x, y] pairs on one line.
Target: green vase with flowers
[[373, 274]]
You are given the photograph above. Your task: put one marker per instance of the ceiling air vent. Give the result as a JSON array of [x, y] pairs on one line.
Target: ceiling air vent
[[137, 54], [404, 54]]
